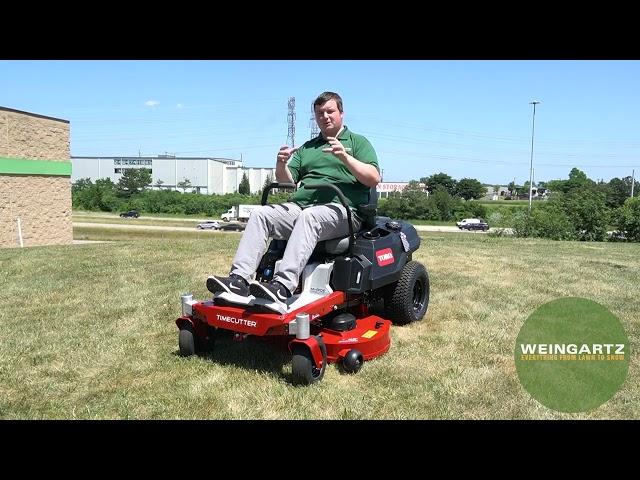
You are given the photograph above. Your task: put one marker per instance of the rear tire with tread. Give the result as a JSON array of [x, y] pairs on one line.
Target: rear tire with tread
[[409, 297]]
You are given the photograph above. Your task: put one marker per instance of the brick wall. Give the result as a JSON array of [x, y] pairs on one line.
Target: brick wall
[[23, 135], [42, 202]]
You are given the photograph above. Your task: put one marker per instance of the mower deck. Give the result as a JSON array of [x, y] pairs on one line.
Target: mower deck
[[370, 335]]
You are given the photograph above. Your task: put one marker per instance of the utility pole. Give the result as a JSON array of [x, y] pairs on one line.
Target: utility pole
[[291, 121], [313, 125], [533, 178], [633, 173], [533, 129]]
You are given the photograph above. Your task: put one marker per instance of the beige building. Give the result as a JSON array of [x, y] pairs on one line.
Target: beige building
[[35, 180]]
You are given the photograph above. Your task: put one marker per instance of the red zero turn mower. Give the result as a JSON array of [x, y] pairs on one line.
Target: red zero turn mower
[[328, 317]]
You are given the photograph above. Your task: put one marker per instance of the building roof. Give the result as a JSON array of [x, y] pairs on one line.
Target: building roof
[[6, 109], [157, 157]]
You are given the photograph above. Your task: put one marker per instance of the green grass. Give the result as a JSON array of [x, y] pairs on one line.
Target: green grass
[[106, 233], [93, 217], [451, 223], [89, 332], [168, 216], [136, 221], [505, 203]]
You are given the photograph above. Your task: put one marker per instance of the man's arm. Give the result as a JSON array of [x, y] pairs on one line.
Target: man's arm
[[283, 175], [365, 173]]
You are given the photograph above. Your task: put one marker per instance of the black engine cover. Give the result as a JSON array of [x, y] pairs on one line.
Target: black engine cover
[[378, 257]]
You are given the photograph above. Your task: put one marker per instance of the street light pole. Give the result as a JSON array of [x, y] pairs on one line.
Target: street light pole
[[533, 129]]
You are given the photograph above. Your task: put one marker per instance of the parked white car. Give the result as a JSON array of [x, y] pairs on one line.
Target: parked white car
[[209, 225], [473, 224]]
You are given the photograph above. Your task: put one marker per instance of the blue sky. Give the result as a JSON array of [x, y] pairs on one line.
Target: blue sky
[[465, 118]]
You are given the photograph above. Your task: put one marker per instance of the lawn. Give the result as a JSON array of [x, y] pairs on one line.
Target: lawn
[[89, 332]]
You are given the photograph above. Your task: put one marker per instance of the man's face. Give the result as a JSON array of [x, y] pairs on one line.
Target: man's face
[[329, 118]]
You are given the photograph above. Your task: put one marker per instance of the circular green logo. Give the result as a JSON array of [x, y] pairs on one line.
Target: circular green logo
[[572, 355]]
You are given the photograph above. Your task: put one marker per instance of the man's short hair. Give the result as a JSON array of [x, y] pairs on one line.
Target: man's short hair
[[324, 97]]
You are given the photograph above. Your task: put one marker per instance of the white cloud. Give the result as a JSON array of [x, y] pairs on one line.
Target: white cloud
[[152, 103]]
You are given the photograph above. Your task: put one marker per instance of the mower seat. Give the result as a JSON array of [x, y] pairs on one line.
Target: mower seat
[[367, 212], [335, 246]]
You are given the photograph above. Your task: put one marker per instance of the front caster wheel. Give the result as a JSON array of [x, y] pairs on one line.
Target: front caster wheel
[[353, 361], [302, 367], [187, 341]]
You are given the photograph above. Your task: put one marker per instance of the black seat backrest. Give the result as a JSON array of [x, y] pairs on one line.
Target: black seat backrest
[[369, 211]]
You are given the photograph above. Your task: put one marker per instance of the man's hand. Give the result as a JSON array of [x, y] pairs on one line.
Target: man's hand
[[283, 175], [336, 148], [366, 174], [285, 153]]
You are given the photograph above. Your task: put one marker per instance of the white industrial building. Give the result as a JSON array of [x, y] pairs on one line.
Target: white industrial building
[[206, 175]]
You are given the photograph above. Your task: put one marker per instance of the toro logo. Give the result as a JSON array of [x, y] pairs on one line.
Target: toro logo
[[384, 257]]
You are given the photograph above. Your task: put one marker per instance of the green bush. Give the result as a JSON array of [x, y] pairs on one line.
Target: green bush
[[545, 221], [629, 219], [469, 209], [587, 211], [501, 216]]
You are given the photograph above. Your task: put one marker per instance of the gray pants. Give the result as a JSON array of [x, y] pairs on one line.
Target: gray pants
[[303, 228]]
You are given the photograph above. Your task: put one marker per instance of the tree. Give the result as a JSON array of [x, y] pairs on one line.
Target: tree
[[577, 179], [443, 202], [555, 186], [546, 220], [98, 196], [629, 221], [586, 209], [618, 191], [268, 181], [469, 188], [244, 188], [134, 180], [441, 179], [81, 184], [186, 183], [413, 186], [105, 195]]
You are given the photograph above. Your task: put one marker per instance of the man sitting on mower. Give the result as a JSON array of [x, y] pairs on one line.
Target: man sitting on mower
[[337, 156]]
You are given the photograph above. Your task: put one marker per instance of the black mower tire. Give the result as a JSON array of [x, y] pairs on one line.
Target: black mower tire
[[409, 297], [187, 341], [302, 368]]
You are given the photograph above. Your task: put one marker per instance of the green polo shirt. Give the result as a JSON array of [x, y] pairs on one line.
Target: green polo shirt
[[311, 165]]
